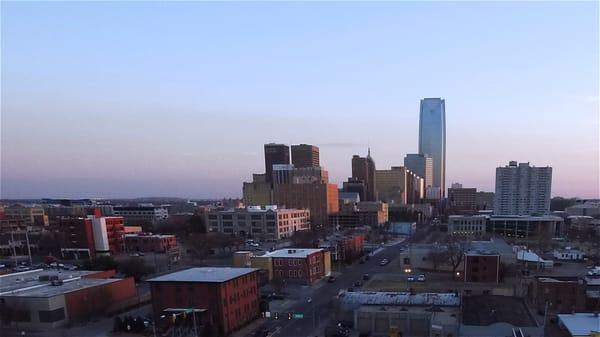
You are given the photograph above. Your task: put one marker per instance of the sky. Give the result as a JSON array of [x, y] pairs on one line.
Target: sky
[[132, 99]]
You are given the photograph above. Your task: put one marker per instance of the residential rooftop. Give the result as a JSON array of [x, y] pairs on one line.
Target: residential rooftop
[[204, 274], [294, 252]]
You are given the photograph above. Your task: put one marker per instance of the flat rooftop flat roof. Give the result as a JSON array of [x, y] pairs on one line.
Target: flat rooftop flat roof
[[204, 274], [15, 281], [27, 284], [399, 298], [294, 252], [580, 324]]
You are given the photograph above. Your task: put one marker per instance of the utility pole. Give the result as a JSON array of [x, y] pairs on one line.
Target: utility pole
[[28, 247]]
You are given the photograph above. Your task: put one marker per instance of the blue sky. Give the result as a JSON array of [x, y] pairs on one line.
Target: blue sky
[[120, 99]]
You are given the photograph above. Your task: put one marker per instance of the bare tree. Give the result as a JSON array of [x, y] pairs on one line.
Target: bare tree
[[438, 256], [456, 253]]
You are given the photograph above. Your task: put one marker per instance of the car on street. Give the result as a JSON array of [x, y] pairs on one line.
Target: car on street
[[366, 277], [410, 278], [331, 279], [421, 278], [358, 284], [384, 262]]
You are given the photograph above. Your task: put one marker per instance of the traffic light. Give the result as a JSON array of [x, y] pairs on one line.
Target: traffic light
[[276, 315], [290, 315]]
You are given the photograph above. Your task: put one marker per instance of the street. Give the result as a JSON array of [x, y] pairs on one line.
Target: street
[[322, 298]]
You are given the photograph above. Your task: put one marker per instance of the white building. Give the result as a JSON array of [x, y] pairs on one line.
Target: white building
[[522, 189], [142, 215], [568, 254], [462, 225], [270, 222], [584, 208]]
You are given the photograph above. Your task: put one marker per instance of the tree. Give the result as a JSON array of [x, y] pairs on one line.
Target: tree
[[305, 239], [136, 268], [456, 253], [197, 224], [101, 263], [438, 256]]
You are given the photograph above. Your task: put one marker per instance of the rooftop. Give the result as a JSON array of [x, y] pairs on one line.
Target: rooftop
[[526, 217], [580, 324], [484, 310], [294, 252], [204, 274], [28, 283], [399, 298], [496, 245]]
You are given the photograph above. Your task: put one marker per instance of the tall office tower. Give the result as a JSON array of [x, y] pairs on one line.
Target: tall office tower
[[522, 189], [432, 138], [275, 154], [421, 165], [363, 168], [304, 155], [399, 185]]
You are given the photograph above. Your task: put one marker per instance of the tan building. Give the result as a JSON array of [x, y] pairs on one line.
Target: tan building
[[399, 185], [258, 192], [321, 199], [26, 216], [304, 155]]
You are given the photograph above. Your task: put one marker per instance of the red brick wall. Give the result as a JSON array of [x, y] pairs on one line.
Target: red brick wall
[[481, 268], [231, 304], [306, 270], [85, 303]]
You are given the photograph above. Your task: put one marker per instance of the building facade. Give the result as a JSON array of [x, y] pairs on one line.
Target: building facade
[[269, 223], [299, 265], [275, 154], [482, 266], [150, 243], [462, 199], [363, 169], [258, 192], [522, 189], [432, 138], [304, 155], [475, 225], [321, 199], [525, 226], [399, 185], [230, 295], [142, 215], [421, 165], [91, 236]]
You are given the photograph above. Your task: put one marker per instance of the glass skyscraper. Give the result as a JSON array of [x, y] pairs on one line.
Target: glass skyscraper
[[432, 139]]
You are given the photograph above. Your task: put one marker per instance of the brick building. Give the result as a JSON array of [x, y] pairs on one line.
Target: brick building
[[482, 266], [230, 295], [299, 265], [564, 294], [462, 200], [91, 235], [344, 248], [148, 242]]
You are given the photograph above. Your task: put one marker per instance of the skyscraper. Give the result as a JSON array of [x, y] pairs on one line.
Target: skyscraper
[[421, 165], [275, 154], [363, 168], [432, 138], [522, 189], [304, 155]]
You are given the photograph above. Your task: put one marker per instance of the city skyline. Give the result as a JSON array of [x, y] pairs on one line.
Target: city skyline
[[126, 109]]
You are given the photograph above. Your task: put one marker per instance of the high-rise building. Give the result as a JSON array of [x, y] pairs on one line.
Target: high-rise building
[[432, 138], [462, 199], [363, 168], [354, 185], [258, 192], [421, 165], [320, 198], [522, 189], [275, 154], [304, 155], [399, 185]]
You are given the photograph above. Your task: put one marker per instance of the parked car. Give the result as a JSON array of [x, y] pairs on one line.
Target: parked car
[[366, 277], [410, 278], [331, 279], [384, 262], [421, 278]]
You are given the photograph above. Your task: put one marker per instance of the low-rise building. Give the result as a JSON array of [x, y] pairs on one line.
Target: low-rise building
[[364, 213], [467, 225], [524, 226], [46, 299], [559, 294], [482, 266], [146, 216], [568, 254], [580, 324], [148, 242], [404, 314], [344, 247], [229, 296], [300, 265], [584, 208], [91, 236], [268, 223]]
